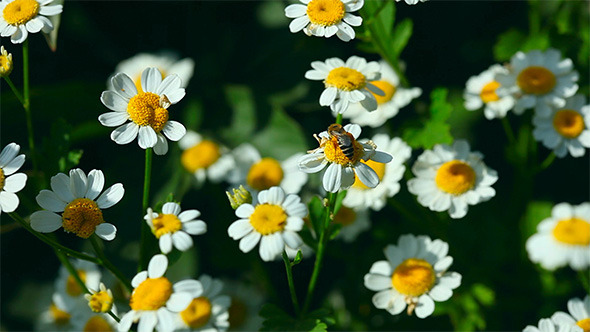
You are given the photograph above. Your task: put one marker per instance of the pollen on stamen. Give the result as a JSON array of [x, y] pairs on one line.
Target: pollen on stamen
[[325, 12], [151, 294], [20, 11], [346, 79], [264, 174], [268, 219], [146, 109], [81, 216], [166, 223]]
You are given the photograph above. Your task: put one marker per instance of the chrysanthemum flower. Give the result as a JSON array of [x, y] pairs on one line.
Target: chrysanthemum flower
[[538, 77], [564, 129], [274, 222], [353, 221], [578, 319], [73, 204], [341, 170], [172, 227], [347, 83], [101, 299], [166, 62], [413, 276], [58, 316], [21, 17], [155, 301], [388, 105], [545, 325], [562, 239], [262, 173], [208, 310], [325, 18], [11, 183], [205, 158], [483, 90], [147, 110], [66, 285], [451, 178], [5, 62], [361, 196]]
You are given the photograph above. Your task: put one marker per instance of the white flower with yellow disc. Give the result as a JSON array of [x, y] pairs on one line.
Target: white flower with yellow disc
[[172, 227], [21, 17], [545, 325], [147, 110], [205, 158], [388, 105], [562, 239], [208, 310], [452, 178], [69, 289], [6, 64], [413, 276], [564, 129], [58, 316], [95, 316], [341, 170], [74, 204], [11, 182], [361, 196], [155, 300], [274, 222], [347, 83], [325, 18], [483, 90], [578, 319], [538, 77]]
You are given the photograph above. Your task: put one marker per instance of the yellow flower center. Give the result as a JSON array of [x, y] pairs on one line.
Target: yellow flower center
[[346, 79], [72, 287], [265, 174], [202, 155], [413, 277], [59, 316], [97, 324], [100, 302], [388, 88], [20, 11], [325, 12], [197, 313], [268, 219], [455, 177], [536, 80], [81, 217], [5, 63], [333, 152], [379, 168], [488, 92], [166, 223], [345, 216], [137, 79], [238, 311], [584, 324], [573, 231], [568, 123], [2, 178], [151, 294], [145, 110]]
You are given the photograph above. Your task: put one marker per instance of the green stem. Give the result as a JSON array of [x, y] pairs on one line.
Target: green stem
[[56, 246], [339, 118], [289, 269], [508, 130], [547, 162], [145, 232], [27, 104], [584, 278], [104, 261], [15, 90], [534, 17]]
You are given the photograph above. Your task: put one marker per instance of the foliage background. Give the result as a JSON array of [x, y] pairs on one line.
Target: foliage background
[[249, 85]]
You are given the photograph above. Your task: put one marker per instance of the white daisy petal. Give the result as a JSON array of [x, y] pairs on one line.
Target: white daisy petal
[[249, 241], [157, 266], [42, 221], [139, 278], [95, 184], [106, 231], [425, 306], [165, 243], [147, 137], [174, 130], [150, 79], [111, 196], [125, 134], [182, 241], [50, 201], [147, 322]]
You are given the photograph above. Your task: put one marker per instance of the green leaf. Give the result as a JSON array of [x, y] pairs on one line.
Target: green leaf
[[508, 44], [339, 198], [297, 259], [401, 36], [281, 138], [336, 228], [432, 133], [317, 214], [243, 124], [69, 161], [275, 319], [537, 42], [483, 294], [536, 211], [440, 109], [563, 19]]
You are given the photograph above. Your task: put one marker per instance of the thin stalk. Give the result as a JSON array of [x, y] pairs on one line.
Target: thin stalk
[[547, 162], [15, 90], [104, 261], [289, 269], [145, 232], [508, 130], [27, 104], [339, 118]]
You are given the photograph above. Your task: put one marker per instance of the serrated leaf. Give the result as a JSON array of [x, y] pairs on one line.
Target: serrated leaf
[[282, 137], [401, 35], [243, 123], [432, 133], [508, 44], [320, 327]]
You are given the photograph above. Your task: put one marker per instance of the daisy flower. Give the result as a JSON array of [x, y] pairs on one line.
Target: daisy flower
[[208, 310], [205, 158], [347, 83], [413, 276], [451, 178], [562, 239], [341, 169], [5, 62], [274, 222], [578, 319], [11, 183], [325, 18], [66, 285], [246, 302], [155, 300], [361, 196], [57, 317], [353, 221], [564, 129], [262, 173], [146, 110], [538, 77], [172, 227], [21, 17], [388, 105], [166, 62], [482, 90], [72, 203], [545, 325], [101, 299]]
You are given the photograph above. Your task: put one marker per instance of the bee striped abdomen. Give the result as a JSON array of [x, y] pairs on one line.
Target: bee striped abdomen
[[346, 147]]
